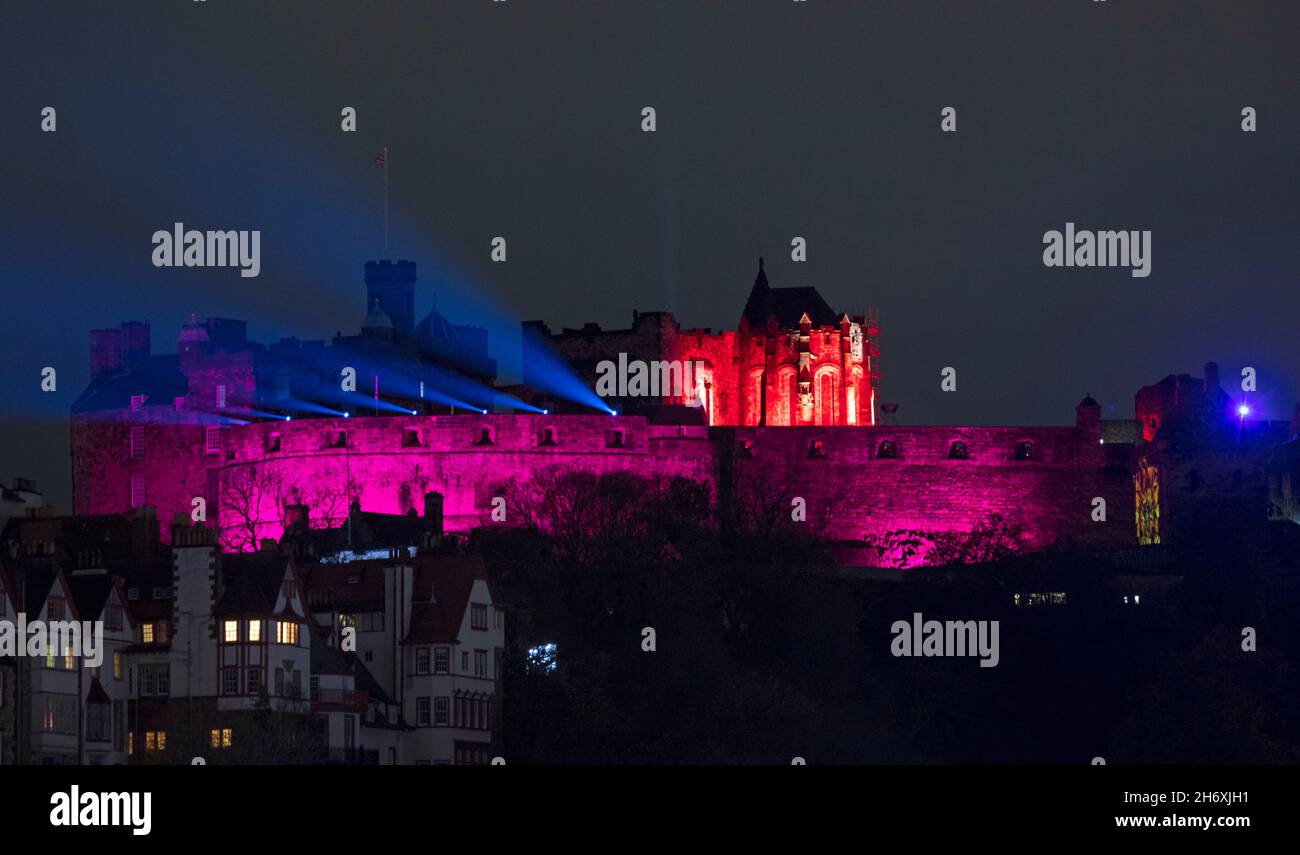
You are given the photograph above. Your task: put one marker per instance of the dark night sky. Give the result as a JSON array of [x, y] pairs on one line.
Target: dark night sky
[[776, 119]]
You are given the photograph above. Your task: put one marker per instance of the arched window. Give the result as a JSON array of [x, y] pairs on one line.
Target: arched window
[[958, 451], [888, 450], [754, 397], [826, 389], [787, 401]]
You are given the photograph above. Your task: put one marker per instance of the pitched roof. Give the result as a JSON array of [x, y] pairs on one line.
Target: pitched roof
[[356, 585], [327, 659], [90, 593], [251, 582], [158, 377], [787, 304], [440, 595]]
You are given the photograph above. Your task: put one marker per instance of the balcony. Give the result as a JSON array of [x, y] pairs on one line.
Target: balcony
[[339, 700]]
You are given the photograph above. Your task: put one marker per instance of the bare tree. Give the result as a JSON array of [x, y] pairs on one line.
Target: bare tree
[[251, 500]]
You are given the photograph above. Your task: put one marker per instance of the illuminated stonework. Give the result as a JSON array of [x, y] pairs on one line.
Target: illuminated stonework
[[1146, 497]]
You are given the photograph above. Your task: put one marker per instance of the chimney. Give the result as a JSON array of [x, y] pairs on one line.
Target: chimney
[[296, 518], [1087, 417], [1211, 376], [135, 343], [186, 534], [433, 513], [105, 352]]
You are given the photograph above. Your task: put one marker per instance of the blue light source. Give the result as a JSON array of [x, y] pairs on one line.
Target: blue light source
[[347, 415], [1243, 410]]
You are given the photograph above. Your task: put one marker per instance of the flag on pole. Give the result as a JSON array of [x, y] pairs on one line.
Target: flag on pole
[[381, 157]]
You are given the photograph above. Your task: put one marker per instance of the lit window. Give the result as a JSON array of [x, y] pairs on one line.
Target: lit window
[[117, 664], [69, 658], [226, 737], [130, 742], [286, 632], [254, 630], [231, 630], [150, 740], [212, 440], [214, 738], [146, 633]]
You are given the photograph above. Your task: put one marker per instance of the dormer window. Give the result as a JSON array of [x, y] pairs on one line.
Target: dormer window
[[1024, 450], [888, 450], [614, 439], [958, 451], [816, 450], [547, 437], [410, 438], [484, 437], [137, 403], [336, 439]]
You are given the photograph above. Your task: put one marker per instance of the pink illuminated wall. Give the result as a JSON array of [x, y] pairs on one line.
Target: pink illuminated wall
[[387, 463]]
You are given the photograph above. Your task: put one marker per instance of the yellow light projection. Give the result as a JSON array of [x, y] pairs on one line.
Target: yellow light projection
[[1146, 496]]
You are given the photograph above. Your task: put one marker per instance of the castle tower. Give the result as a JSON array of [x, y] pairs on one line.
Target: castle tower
[[1087, 417], [393, 285]]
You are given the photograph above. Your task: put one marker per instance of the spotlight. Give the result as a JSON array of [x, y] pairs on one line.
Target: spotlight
[[415, 412], [546, 412], [613, 412], [1243, 411], [347, 415], [288, 418]]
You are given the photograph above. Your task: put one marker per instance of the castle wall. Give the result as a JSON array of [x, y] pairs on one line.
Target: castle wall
[[852, 492]]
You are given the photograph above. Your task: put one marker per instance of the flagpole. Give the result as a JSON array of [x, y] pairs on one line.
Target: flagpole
[[385, 199]]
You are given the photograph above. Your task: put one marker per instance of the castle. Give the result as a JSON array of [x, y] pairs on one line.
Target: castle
[[792, 360], [785, 410]]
